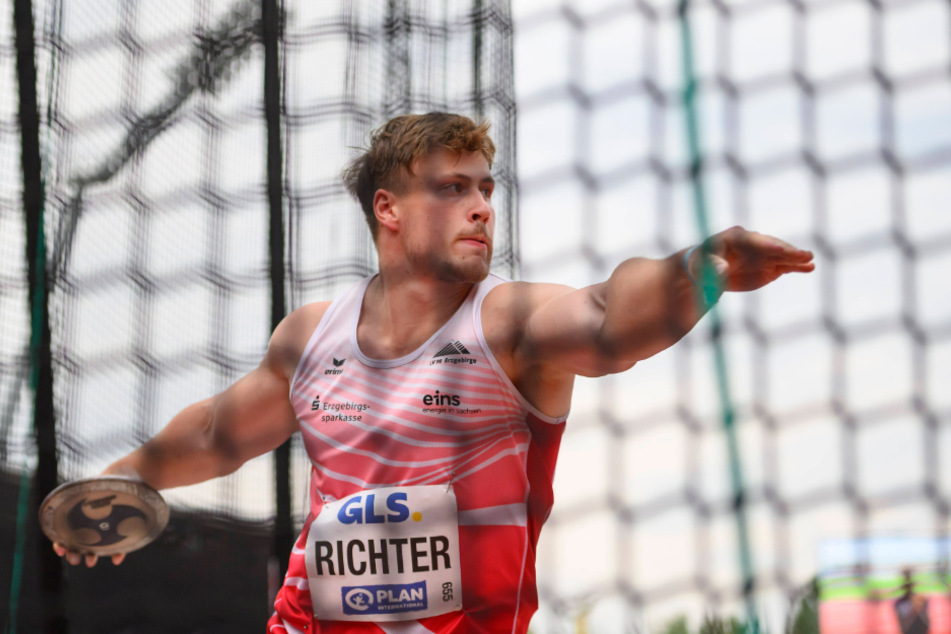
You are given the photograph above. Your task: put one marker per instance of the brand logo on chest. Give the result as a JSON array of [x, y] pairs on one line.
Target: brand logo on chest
[[441, 399], [444, 403], [453, 353], [345, 411], [337, 367]]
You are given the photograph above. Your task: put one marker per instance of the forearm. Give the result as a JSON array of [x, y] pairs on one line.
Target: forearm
[[648, 305], [183, 453]]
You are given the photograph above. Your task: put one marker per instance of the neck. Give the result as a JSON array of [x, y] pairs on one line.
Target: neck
[[400, 312]]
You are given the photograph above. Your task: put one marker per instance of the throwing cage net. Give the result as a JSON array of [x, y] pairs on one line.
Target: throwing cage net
[[165, 266], [827, 124]]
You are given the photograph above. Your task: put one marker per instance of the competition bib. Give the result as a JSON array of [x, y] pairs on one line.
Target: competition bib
[[385, 555]]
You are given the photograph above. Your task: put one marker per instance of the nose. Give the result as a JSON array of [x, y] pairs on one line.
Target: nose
[[482, 210]]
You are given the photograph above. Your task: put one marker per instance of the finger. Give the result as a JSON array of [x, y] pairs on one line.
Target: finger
[[776, 247], [73, 557], [805, 267], [785, 251], [59, 549], [91, 560], [738, 240], [118, 558], [796, 254], [776, 243]]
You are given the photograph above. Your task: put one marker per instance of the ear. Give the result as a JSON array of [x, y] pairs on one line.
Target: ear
[[386, 209]]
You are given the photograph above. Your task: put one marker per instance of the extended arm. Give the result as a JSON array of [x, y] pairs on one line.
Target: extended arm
[[646, 305], [215, 436], [651, 304]]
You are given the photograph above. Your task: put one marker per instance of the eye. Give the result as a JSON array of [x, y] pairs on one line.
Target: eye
[[456, 188], [487, 192]]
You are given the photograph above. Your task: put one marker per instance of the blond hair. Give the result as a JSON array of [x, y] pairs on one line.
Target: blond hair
[[398, 143]]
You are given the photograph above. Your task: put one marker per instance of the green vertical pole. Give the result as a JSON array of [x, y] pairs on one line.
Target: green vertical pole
[[709, 280]]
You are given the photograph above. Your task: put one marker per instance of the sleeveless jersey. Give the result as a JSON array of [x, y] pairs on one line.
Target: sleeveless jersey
[[444, 414]]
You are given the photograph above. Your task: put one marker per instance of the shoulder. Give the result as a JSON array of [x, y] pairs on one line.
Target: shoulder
[[521, 296], [292, 334], [511, 312], [508, 308]]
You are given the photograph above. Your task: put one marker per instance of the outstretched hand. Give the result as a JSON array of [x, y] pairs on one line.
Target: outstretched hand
[[745, 260]]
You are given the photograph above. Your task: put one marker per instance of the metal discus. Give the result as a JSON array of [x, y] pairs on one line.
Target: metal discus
[[103, 515]]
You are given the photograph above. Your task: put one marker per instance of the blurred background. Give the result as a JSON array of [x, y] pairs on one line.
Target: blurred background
[[190, 155]]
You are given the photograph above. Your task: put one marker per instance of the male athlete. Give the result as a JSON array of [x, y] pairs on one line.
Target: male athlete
[[432, 396]]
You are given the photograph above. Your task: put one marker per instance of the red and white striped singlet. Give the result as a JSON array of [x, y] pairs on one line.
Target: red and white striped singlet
[[444, 414]]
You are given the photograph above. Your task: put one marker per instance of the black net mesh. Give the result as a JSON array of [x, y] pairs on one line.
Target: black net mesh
[[161, 290], [827, 124], [154, 145], [379, 60], [14, 284], [156, 193]]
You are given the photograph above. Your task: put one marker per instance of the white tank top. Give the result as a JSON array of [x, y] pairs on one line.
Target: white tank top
[[445, 413]]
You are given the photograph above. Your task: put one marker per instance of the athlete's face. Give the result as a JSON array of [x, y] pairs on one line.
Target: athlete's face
[[449, 221]]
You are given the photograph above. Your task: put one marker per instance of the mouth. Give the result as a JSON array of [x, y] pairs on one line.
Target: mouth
[[481, 247], [476, 239]]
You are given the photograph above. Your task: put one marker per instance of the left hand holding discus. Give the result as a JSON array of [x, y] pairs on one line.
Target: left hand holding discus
[[106, 515]]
